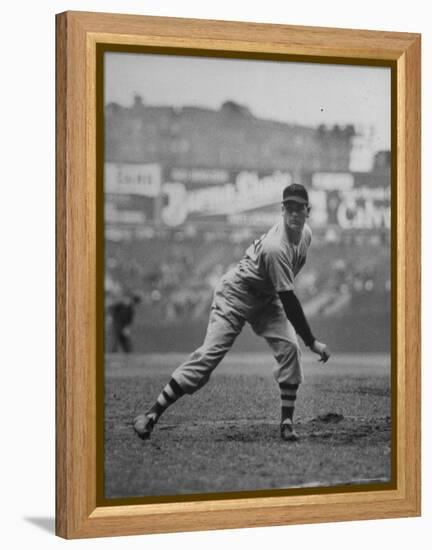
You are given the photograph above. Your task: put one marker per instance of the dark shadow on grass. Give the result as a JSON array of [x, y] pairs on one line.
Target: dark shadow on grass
[[46, 524], [344, 432]]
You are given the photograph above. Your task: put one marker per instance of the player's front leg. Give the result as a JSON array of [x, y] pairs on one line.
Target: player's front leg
[[288, 375], [288, 393]]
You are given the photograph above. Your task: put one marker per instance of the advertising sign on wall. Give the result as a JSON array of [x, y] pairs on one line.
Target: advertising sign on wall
[[147, 194]]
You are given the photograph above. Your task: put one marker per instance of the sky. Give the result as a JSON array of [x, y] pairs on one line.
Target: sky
[[300, 93]]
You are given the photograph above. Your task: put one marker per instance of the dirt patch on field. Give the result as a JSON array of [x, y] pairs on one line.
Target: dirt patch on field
[[247, 454], [331, 426], [226, 437], [348, 431]]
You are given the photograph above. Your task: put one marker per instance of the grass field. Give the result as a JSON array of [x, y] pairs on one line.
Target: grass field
[[226, 436]]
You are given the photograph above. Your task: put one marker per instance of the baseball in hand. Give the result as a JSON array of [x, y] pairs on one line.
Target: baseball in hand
[[322, 350]]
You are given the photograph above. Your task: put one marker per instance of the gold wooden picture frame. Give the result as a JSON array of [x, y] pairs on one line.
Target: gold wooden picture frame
[[81, 510]]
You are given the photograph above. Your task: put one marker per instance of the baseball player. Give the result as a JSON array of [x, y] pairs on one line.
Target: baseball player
[[260, 291]]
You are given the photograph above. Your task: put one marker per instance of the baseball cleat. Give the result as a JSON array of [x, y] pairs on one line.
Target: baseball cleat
[[288, 432], [143, 425]]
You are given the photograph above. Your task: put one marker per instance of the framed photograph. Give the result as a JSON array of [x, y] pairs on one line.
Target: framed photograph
[[238, 275]]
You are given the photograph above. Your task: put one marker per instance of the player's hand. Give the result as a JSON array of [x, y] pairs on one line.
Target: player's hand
[[322, 350]]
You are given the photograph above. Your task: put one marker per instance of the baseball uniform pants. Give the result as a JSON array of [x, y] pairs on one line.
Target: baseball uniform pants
[[234, 304]]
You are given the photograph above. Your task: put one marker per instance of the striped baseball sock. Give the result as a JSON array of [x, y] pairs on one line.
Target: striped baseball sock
[[288, 397], [169, 395]]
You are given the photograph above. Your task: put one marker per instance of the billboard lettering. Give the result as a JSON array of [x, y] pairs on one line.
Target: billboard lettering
[[364, 208], [132, 179], [248, 191], [143, 195]]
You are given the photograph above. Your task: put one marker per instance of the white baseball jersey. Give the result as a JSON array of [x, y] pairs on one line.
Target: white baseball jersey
[[272, 262]]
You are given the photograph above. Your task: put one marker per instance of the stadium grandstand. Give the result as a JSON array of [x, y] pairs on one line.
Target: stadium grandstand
[[186, 190]]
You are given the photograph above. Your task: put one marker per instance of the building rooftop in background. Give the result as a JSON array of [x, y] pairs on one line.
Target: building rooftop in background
[[231, 137]]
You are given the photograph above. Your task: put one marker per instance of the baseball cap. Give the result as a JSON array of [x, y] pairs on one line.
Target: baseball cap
[[295, 192]]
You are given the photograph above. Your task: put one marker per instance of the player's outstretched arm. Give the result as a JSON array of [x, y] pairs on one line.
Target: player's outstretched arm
[[297, 318]]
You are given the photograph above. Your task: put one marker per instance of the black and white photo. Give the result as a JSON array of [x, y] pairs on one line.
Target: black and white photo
[[247, 275]]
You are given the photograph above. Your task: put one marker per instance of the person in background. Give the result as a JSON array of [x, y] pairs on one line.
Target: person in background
[[122, 312]]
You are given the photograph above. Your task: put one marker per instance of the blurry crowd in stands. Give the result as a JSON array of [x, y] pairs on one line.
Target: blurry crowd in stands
[[175, 280]]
